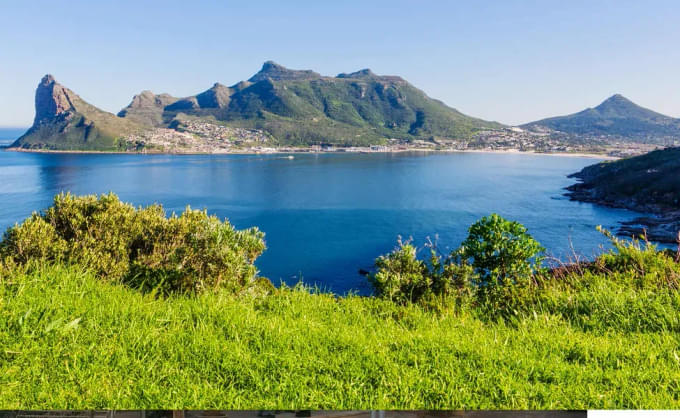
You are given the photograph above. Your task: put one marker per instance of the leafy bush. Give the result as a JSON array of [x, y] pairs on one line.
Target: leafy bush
[[36, 240], [403, 278], [141, 247], [496, 263], [502, 251], [639, 263], [505, 259]]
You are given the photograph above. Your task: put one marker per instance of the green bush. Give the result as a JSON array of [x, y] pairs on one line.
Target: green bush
[[138, 246], [36, 239], [640, 263], [505, 259], [403, 278], [496, 264]]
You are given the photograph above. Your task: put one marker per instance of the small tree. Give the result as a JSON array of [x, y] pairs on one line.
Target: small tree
[[503, 255], [403, 278]]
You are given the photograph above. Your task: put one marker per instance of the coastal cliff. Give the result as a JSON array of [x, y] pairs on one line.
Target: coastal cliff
[[647, 183], [64, 121]]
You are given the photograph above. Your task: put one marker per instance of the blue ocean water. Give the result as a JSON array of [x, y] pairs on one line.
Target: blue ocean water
[[328, 215]]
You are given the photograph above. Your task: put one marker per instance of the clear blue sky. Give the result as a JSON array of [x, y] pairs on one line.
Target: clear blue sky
[[511, 61]]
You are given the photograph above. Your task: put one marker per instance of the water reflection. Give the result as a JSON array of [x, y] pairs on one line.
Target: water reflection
[[326, 216]]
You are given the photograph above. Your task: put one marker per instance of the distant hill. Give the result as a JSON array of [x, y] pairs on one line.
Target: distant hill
[[616, 117], [646, 183], [303, 107], [64, 121], [147, 108]]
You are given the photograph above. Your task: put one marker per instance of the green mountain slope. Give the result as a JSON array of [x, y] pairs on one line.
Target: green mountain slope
[[646, 183], [616, 117], [64, 121], [303, 107], [147, 108]]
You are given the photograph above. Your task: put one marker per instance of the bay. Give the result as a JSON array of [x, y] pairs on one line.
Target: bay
[[328, 215]]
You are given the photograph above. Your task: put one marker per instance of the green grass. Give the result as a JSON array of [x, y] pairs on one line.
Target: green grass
[[69, 340]]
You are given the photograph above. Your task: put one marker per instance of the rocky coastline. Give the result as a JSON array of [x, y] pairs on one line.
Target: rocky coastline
[[663, 226]]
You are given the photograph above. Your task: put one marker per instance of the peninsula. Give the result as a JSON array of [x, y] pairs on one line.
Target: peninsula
[[646, 183], [284, 110]]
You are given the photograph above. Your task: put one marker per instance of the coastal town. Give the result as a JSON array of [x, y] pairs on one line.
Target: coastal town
[[195, 136]]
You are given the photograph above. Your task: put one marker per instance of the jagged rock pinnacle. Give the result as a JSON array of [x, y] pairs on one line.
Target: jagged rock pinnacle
[[51, 100]]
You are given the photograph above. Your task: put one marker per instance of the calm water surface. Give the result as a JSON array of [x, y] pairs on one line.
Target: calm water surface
[[327, 215]]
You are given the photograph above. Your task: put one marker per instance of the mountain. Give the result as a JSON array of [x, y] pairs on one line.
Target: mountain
[[147, 108], [64, 121], [290, 107], [646, 183], [302, 107], [616, 117]]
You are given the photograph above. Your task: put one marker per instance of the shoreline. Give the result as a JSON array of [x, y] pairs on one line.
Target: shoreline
[[305, 151]]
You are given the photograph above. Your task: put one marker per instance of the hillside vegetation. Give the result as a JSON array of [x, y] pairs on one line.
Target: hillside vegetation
[[486, 326], [293, 107], [649, 182], [64, 121], [303, 107], [646, 183], [616, 117]]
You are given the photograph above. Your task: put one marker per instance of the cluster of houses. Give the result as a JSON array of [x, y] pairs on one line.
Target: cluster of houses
[[203, 137]]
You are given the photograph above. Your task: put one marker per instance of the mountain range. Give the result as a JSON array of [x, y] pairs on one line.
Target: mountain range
[[302, 107], [618, 118], [294, 107]]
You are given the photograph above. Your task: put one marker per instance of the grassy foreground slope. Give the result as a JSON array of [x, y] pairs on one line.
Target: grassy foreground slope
[[71, 341], [107, 306]]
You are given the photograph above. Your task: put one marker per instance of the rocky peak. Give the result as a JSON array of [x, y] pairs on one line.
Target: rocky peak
[[276, 72], [216, 96], [365, 73], [620, 107], [616, 100], [143, 99], [51, 100]]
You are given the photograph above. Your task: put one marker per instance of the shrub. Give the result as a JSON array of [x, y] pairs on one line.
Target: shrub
[[640, 263], [35, 239], [403, 278], [139, 246], [502, 252], [400, 276], [496, 263]]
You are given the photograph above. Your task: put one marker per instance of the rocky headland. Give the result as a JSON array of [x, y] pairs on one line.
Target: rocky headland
[[647, 183]]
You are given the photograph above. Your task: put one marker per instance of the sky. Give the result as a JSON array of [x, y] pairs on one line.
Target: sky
[[509, 61]]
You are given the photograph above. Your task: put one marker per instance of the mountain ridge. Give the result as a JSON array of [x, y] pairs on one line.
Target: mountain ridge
[[302, 107], [63, 120], [616, 117]]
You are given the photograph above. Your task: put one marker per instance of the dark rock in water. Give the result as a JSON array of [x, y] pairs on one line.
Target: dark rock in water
[[665, 229]]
